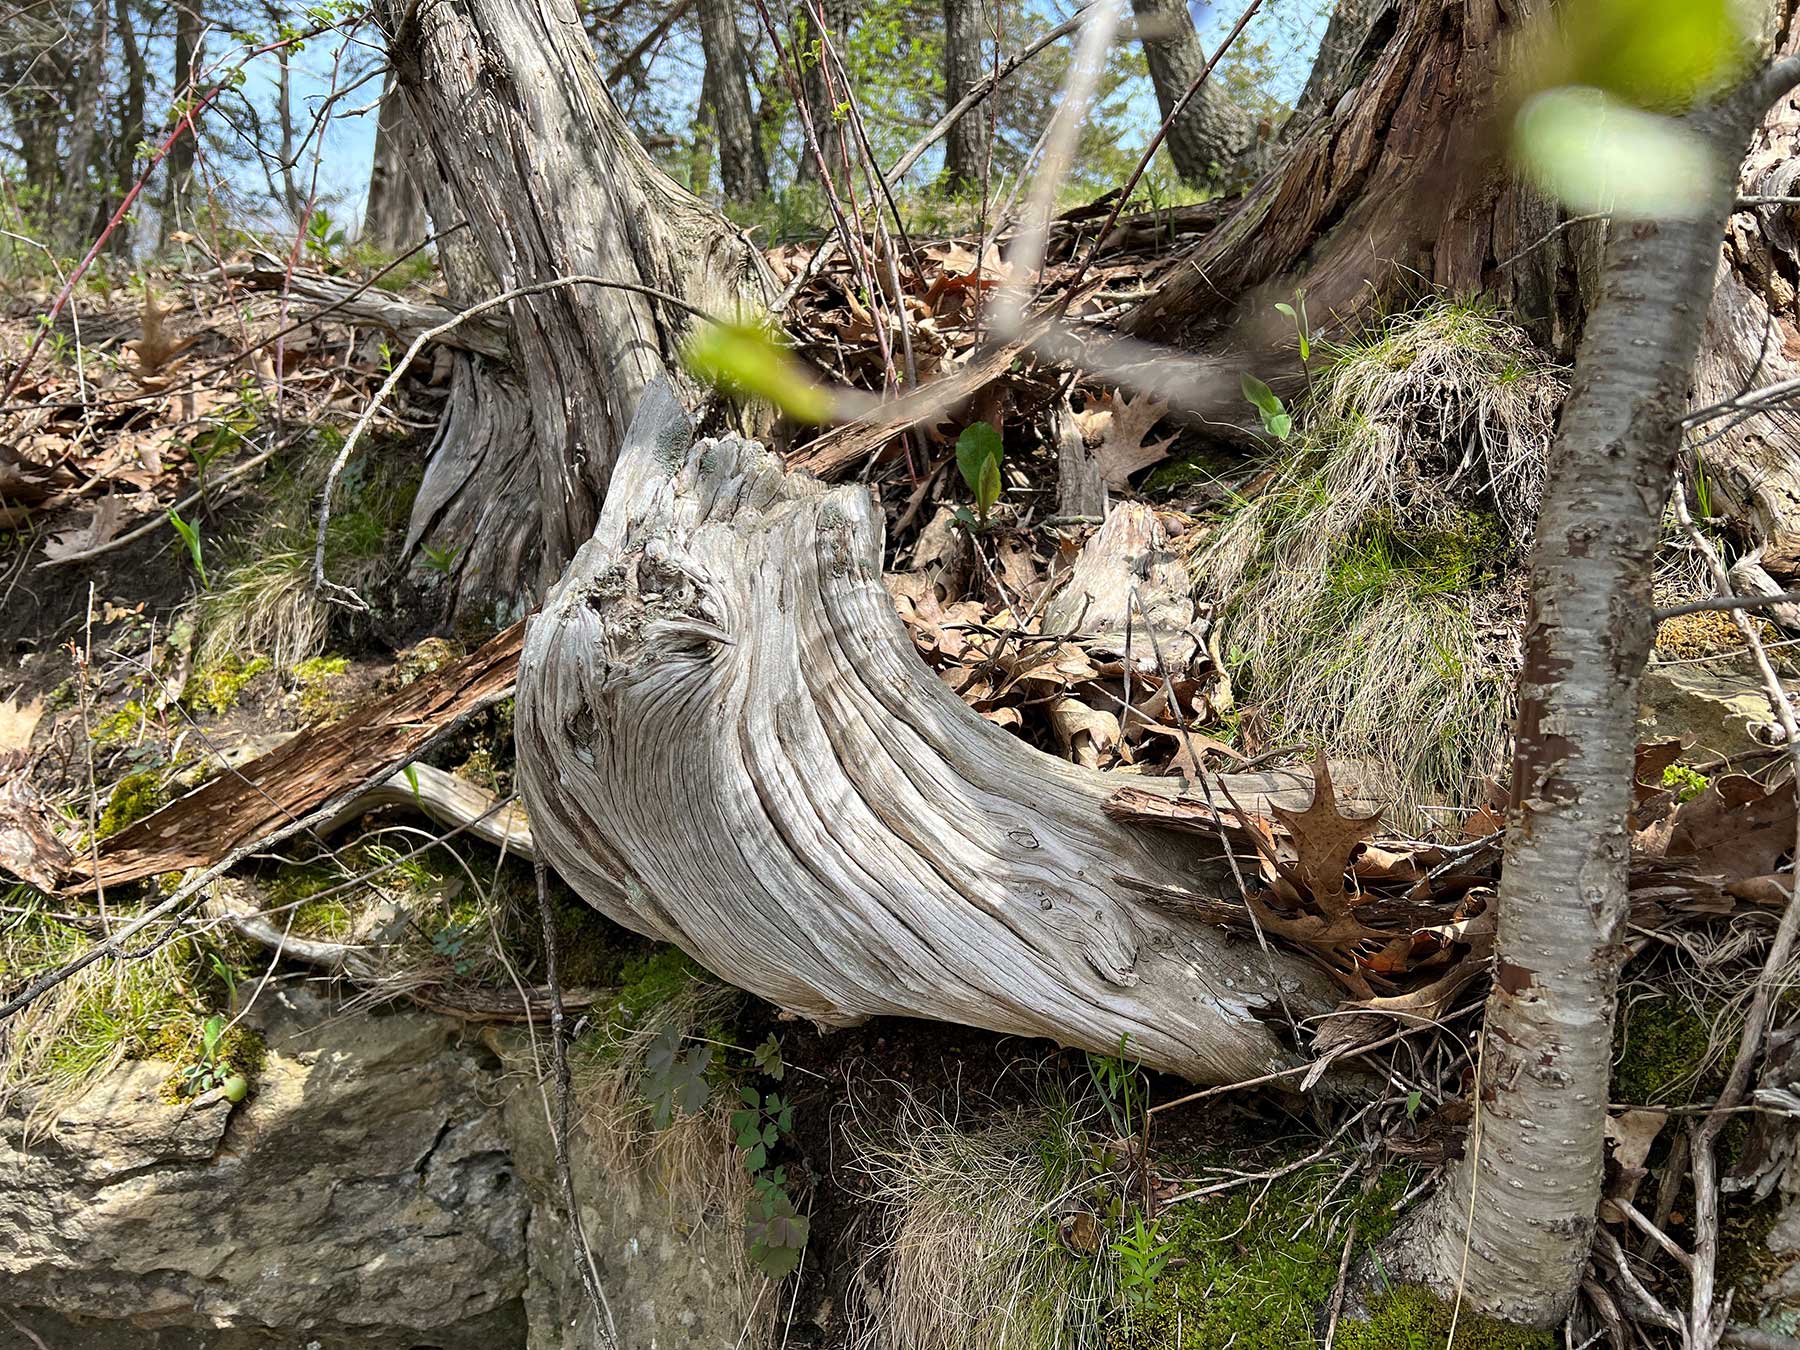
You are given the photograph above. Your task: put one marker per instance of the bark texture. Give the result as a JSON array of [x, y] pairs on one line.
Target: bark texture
[[394, 219], [1519, 1207], [1752, 465], [965, 43], [1352, 41], [1210, 133], [179, 166], [742, 168], [539, 161], [1393, 191], [727, 741]]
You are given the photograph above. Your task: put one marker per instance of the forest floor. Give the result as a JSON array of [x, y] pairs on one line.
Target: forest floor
[[1358, 594]]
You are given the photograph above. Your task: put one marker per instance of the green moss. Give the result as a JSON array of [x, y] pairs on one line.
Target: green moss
[[1253, 1272], [1412, 1319], [133, 797], [1470, 551], [429, 657], [241, 1050], [217, 689], [1687, 783], [1658, 1048], [646, 981], [120, 727], [1746, 1264], [315, 679]]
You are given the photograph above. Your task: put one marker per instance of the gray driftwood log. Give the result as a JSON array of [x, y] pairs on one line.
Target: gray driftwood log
[[727, 741]]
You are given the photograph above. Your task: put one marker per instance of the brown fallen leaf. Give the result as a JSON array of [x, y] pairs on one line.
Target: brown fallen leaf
[[101, 525], [1118, 429], [17, 722]]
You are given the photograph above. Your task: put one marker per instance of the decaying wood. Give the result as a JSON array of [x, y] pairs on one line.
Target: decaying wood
[[307, 780], [727, 741]]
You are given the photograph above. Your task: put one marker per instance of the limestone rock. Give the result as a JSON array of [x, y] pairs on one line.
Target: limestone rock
[[388, 1185], [363, 1195], [1717, 705]]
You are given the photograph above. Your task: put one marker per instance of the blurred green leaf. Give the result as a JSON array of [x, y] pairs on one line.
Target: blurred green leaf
[[747, 360], [1599, 154], [1655, 54]]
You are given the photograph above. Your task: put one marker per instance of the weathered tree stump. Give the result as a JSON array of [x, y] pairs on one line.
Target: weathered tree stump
[[727, 741]]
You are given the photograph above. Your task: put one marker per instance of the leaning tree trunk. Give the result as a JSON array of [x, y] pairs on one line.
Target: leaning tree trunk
[[1393, 191], [727, 741], [1212, 131], [542, 166], [965, 37], [394, 218], [1511, 1227]]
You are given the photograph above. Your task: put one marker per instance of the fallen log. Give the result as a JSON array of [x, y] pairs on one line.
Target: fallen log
[[726, 741], [307, 781]]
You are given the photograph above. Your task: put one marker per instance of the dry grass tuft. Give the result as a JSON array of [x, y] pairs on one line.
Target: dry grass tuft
[[1370, 596], [968, 1257]]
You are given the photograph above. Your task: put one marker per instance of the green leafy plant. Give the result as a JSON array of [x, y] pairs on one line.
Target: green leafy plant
[[441, 560], [759, 1125], [1117, 1078], [190, 535], [979, 451], [1297, 313], [212, 1070], [448, 941], [751, 361], [776, 1231], [675, 1081], [322, 240], [1277, 421], [1143, 1254]]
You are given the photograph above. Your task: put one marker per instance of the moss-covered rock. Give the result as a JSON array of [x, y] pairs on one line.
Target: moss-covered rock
[[218, 688]]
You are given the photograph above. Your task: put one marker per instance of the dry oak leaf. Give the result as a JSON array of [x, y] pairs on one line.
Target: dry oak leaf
[[1118, 427], [99, 527]]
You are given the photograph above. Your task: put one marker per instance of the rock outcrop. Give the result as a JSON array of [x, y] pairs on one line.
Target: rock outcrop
[[388, 1184]]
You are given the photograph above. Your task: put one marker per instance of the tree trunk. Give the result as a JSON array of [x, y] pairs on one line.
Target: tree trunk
[[537, 157], [742, 168], [727, 741], [1212, 131], [819, 103], [1349, 47], [1512, 1224], [394, 219], [130, 123], [965, 39], [179, 165], [1394, 190]]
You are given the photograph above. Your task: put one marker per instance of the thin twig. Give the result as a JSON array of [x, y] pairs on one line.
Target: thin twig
[[1702, 1138], [559, 1135]]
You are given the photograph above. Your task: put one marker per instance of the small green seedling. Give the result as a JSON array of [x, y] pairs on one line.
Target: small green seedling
[[979, 451], [190, 535], [1143, 1253], [441, 560], [1277, 421], [1298, 315], [211, 1071]]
